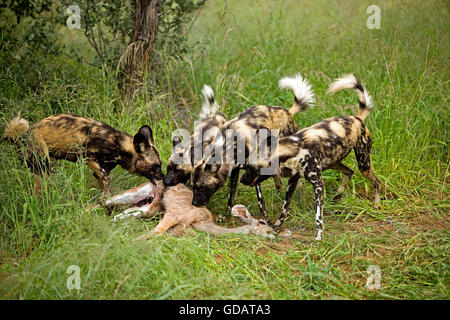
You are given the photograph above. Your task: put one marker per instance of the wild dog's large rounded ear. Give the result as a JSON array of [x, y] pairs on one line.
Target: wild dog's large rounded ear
[[143, 139], [175, 141]]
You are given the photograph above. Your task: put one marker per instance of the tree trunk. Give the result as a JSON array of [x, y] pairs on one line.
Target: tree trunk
[[136, 56]]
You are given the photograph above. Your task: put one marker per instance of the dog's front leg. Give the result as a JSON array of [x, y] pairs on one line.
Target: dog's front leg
[[261, 203], [315, 177], [292, 184], [101, 175], [233, 185], [346, 176]]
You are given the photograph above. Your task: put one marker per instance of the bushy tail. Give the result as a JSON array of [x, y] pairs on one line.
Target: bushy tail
[[303, 94], [16, 128], [351, 82], [210, 106]]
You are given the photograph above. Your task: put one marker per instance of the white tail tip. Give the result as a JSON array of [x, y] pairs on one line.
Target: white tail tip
[[302, 89], [348, 81]]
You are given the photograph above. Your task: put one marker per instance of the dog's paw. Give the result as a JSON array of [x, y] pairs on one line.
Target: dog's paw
[[318, 235]]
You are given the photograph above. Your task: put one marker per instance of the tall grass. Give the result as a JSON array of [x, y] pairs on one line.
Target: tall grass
[[241, 49]]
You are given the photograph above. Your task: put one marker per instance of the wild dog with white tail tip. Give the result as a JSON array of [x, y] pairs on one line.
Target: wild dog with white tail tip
[[320, 147], [69, 136], [181, 162], [208, 177]]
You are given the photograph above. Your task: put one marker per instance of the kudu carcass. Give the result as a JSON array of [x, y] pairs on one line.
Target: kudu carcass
[[180, 215]]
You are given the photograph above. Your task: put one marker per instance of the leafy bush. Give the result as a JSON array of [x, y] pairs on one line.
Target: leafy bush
[[26, 8], [108, 26]]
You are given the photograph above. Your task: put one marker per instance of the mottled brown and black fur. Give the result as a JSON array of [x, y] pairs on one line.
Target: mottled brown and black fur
[[208, 177], [324, 146], [204, 133], [69, 136]]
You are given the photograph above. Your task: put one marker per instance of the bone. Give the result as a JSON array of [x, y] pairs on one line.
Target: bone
[[134, 195]]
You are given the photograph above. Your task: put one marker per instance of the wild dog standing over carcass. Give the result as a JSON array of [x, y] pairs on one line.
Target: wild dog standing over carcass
[[180, 215], [69, 136], [208, 176], [320, 147], [181, 161]]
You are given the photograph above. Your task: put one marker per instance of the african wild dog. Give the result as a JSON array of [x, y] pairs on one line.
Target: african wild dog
[[181, 161], [208, 177], [69, 136], [320, 147]]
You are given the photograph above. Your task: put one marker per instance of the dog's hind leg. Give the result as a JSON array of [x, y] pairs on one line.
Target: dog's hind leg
[[346, 176], [362, 151]]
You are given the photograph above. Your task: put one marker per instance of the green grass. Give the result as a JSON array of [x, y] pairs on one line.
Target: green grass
[[242, 49]]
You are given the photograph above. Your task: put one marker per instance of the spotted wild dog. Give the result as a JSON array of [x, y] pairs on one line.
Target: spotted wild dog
[[208, 176], [181, 161], [320, 147], [69, 136]]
